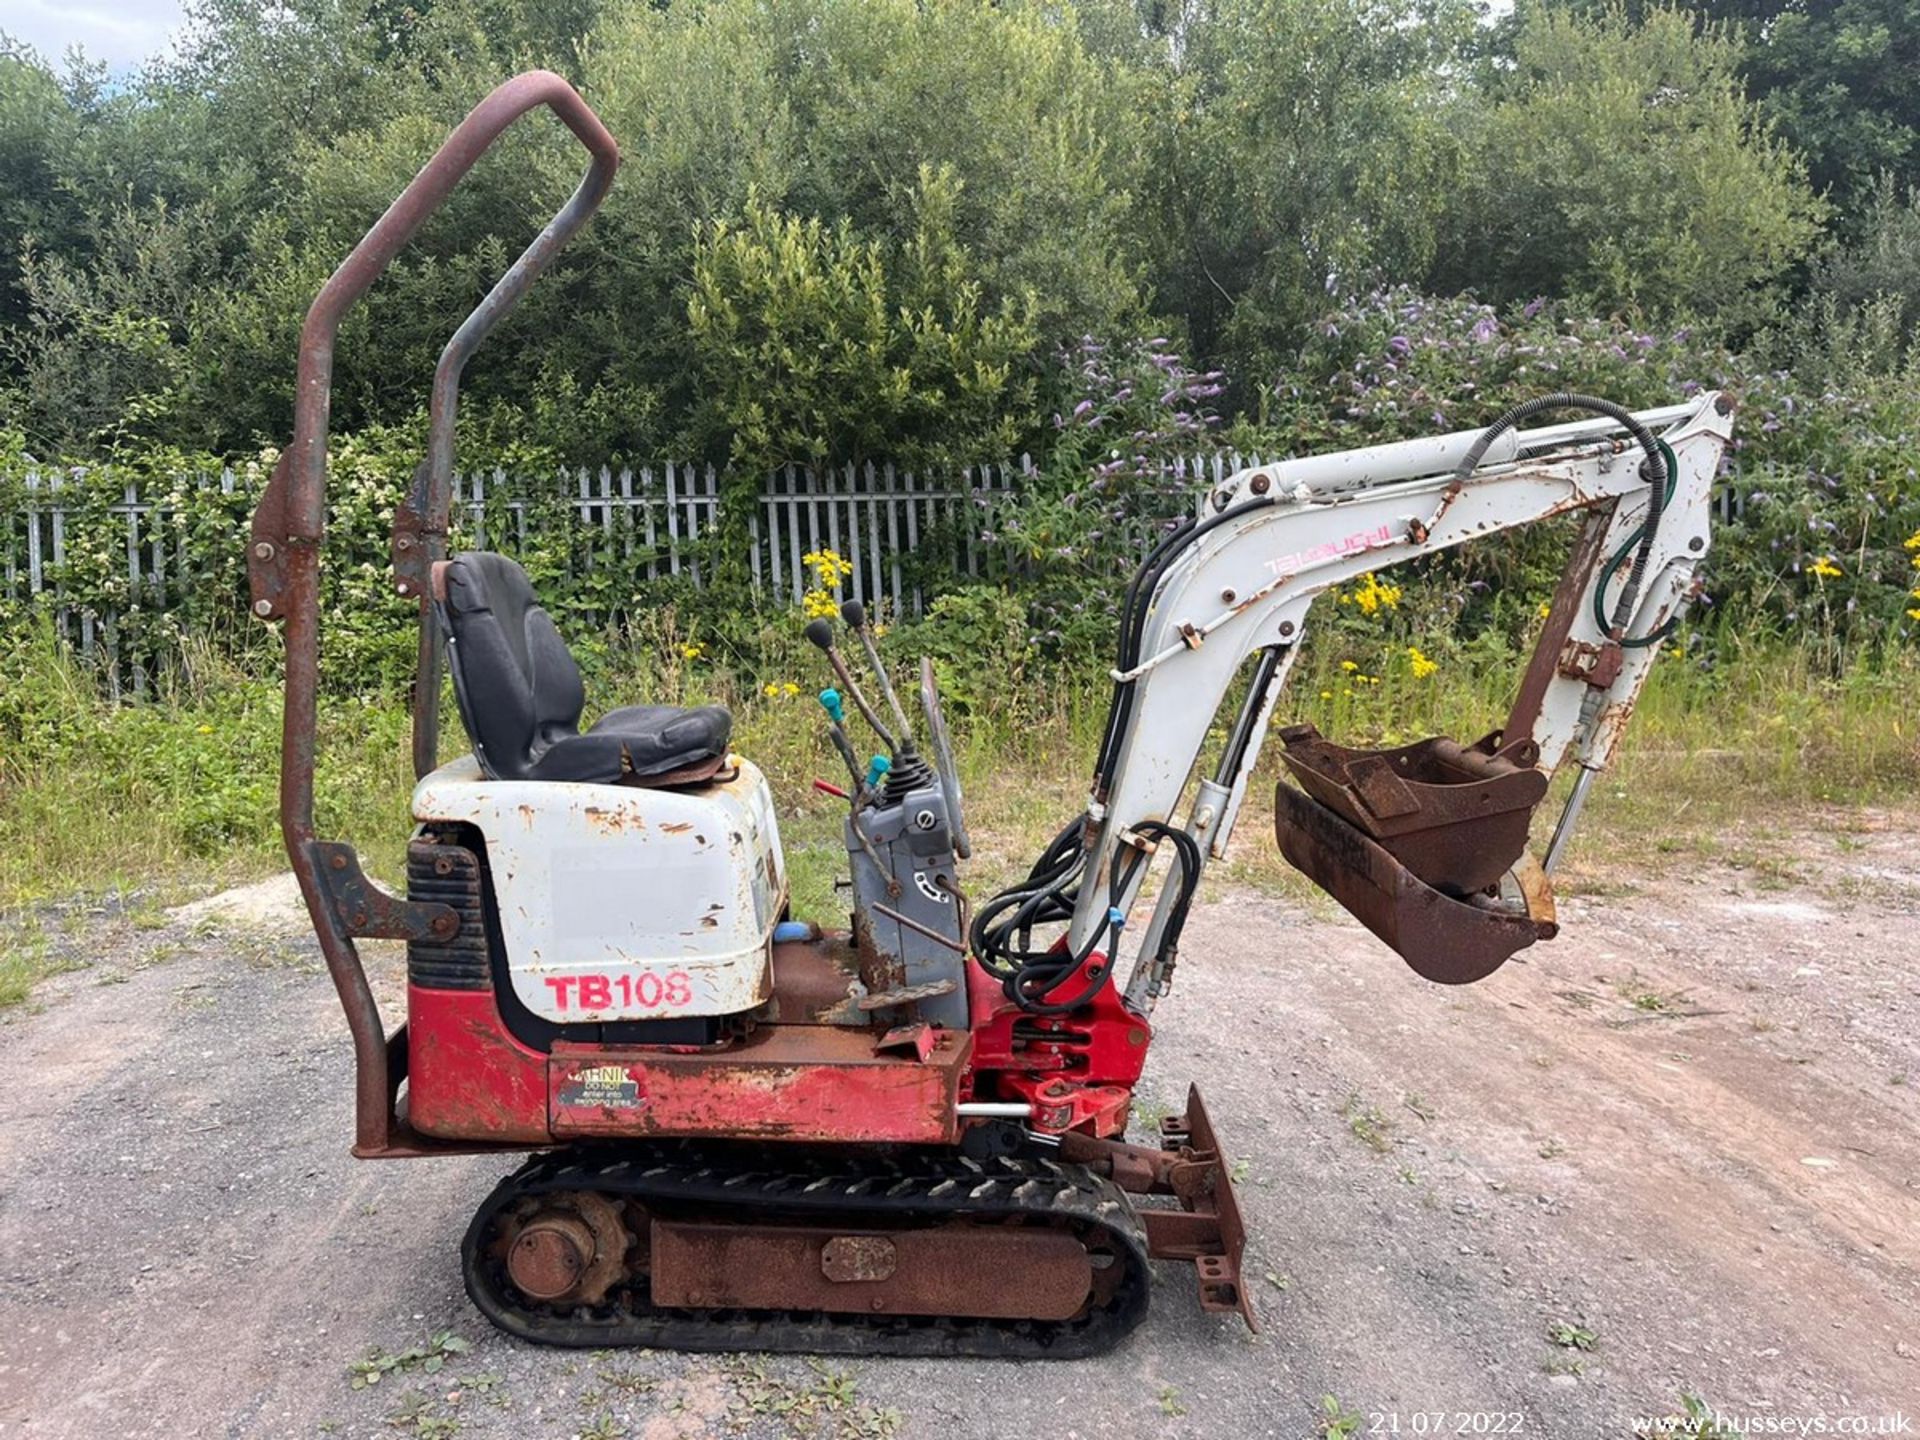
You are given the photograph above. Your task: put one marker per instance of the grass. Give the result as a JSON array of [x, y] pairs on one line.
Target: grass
[[1368, 1125], [179, 793], [26, 958]]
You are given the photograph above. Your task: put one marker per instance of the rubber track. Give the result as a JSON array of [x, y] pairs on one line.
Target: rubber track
[[820, 1189]]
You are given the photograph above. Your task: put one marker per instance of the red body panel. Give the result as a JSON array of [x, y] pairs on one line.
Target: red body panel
[[467, 1078], [783, 1082]]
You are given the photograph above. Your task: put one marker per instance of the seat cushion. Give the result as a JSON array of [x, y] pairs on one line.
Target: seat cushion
[[520, 692], [640, 744]]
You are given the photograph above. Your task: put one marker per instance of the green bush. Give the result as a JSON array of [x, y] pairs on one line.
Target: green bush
[[1132, 414], [1825, 476], [815, 346]]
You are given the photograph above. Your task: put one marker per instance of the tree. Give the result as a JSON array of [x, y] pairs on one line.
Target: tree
[[831, 110], [1882, 265], [1842, 78], [816, 346], [1302, 145], [1620, 162]]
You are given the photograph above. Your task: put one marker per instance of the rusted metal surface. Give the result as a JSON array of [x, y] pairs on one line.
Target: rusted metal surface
[[848, 1259], [1203, 1179], [897, 996], [290, 522], [364, 909], [550, 1254], [1189, 1165], [1456, 816], [815, 982], [1137, 1169], [1562, 611], [1008, 1272], [783, 1082], [1447, 940], [918, 1040], [568, 1247], [1598, 665]]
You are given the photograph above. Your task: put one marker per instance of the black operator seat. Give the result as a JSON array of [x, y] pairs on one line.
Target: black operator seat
[[520, 693]]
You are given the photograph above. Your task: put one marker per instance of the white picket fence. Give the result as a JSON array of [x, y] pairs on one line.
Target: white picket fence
[[647, 522], [871, 515]]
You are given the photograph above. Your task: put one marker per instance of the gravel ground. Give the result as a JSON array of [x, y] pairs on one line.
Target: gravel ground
[[1683, 1135]]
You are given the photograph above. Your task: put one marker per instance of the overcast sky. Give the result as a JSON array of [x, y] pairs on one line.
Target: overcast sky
[[121, 33]]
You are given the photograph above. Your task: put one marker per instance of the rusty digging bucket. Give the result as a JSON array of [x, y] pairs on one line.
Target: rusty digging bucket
[[1425, 845]]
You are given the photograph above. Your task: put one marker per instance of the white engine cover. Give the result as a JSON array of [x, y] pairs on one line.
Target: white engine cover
[[621, 903]]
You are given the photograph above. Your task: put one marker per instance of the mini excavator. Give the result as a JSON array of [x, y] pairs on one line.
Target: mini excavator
[[910, 1135]]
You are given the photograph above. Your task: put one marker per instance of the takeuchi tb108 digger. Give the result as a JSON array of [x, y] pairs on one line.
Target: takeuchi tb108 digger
[[910, 1135]]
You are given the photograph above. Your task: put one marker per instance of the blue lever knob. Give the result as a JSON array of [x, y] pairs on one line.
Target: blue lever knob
[[835, 707], [877, 769]]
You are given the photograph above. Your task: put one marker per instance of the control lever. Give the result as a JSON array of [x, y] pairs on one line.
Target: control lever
[[820, 633], [836, 709], [855, 614]]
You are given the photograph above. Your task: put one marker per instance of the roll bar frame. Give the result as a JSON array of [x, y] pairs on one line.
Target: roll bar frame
[[283, 564]]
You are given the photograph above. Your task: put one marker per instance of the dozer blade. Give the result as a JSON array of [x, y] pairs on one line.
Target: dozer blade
[[1452, 942], [1208, 1230]]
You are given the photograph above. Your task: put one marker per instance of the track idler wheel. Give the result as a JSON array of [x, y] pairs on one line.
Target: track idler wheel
[[566, 1248]]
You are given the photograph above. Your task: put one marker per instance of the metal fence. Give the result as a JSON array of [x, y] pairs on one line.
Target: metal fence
[[652, 517], [647, 522]]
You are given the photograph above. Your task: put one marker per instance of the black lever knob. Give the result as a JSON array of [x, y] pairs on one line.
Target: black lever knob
[[855, 614], [820, 633]]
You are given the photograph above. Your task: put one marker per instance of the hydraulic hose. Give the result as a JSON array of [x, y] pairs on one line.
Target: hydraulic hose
[[1133, 620], [1619, 558], [1655, 471], [1001, 935]]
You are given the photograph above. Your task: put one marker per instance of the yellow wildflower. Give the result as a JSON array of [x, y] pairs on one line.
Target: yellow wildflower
[[770, 689], [819, 605], [1348, 666], [1912, 542], [829, 567], [1422, 666], [1326, 694], [1374, 595], [691, 651], [1825, 569], [789, 689], [1913, 614], [1545, 609]]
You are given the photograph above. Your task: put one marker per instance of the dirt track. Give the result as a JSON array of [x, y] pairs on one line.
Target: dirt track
[[1688, 1128]]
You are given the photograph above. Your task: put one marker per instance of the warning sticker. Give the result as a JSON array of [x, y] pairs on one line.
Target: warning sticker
[[602, 1087]]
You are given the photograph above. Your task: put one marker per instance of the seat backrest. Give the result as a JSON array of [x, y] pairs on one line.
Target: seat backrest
[[518, 687]]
